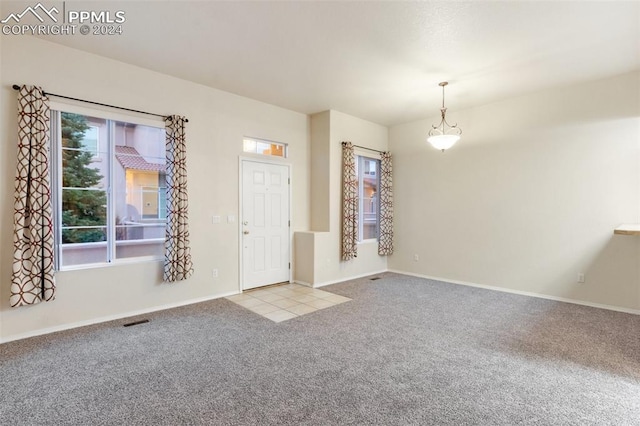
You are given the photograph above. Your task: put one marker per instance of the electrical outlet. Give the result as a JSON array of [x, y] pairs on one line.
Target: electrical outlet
[[416, 257], [214, 273], [581, 277]]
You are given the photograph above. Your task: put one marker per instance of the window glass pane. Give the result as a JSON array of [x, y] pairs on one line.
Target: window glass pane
[[276, 150], [79, 253], [83, 207], [90, 140], [162, 198], [82, 168], [264, 148], [249, 145], [83, 215], [368, 182], [140, 190], [84, 231]]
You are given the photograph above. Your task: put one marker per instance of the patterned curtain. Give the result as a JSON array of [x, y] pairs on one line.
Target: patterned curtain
[[385, 242], [177, 260], [32, 278], [349, 203]]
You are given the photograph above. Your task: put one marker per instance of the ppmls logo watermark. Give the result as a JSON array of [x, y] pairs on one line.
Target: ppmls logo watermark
[[42, 20]]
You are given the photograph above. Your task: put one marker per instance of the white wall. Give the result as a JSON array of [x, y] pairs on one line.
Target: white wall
[[328, 130], [530, 195], [320, 136], [217, 123]]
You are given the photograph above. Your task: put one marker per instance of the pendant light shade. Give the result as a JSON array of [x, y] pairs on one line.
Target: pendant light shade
[[443, 142], [444, 136]]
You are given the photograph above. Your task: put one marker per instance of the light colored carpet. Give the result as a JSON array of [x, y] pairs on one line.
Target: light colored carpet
[[404, 351]]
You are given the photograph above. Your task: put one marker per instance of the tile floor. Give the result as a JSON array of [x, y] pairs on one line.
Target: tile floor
[[280, 302]]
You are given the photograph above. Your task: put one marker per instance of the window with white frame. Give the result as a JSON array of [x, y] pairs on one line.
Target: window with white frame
[[109, 197], [368, 172], [264, 147]]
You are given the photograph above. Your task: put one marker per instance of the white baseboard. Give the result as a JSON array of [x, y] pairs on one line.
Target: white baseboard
[[340, 280], [107, 318], [322, 284], [523, 293]]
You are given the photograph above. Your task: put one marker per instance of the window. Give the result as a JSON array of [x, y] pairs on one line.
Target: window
[[367, 170], [109, 189], [264, 147]]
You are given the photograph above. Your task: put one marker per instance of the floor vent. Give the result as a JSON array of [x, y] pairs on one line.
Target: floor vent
[[374, 278], [136, 323]]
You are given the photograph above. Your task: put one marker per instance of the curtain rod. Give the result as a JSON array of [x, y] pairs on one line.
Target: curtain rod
[[364, 147], [16, 87]]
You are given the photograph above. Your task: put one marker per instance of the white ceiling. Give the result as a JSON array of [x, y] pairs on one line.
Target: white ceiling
[[380, 61]]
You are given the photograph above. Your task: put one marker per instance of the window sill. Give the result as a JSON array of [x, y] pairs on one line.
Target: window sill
[[75, 263], [370, 241], [120, 262]]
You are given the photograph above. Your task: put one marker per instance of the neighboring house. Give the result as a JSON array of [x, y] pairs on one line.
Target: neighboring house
[[140, 168], [145, 183]]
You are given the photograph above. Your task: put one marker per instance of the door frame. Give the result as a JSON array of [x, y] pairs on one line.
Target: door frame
[[241, 160]]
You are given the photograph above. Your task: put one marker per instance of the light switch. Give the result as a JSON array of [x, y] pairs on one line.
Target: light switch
[[231, 218], [215, 219]]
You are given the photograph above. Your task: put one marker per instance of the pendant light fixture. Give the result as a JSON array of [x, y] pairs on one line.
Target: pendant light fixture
[[444, 135]]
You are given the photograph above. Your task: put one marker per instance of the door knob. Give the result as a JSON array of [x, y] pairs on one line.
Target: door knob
[[246, 232]]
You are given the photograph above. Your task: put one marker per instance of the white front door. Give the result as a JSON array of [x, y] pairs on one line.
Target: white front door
[[265, 224]]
